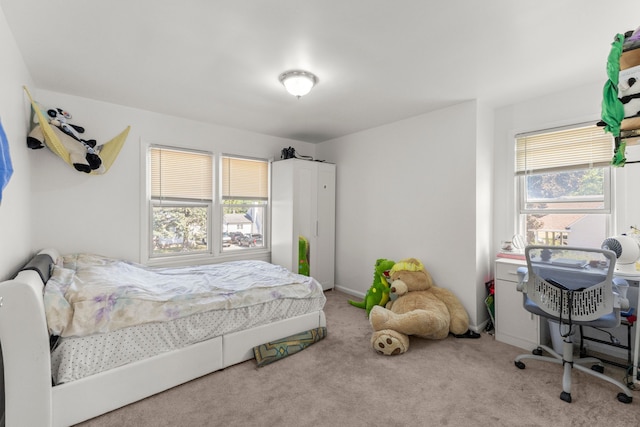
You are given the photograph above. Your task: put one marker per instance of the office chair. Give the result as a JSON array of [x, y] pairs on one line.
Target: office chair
[[572, 286]]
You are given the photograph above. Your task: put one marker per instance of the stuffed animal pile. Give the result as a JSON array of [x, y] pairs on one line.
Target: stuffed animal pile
[[81, 151], [417, 307], [621, 93]]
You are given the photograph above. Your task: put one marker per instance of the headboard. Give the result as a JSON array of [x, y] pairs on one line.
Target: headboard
[[25, 343]]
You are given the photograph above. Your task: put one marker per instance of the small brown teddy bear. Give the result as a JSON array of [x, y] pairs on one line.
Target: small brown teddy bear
[[421, 309]]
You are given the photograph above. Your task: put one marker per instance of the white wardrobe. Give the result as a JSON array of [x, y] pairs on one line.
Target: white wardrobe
[[303, 204]]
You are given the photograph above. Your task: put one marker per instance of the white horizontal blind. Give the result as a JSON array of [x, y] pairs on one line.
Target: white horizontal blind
[[577, 148], [178, 174], [245, 179]]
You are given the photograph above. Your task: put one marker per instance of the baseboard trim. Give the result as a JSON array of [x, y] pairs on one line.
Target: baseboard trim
[[349, 291]]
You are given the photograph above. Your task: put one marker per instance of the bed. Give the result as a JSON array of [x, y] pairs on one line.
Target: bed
[[59, 372]]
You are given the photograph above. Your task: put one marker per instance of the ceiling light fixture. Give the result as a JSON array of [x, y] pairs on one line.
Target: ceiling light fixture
[[297, 82]]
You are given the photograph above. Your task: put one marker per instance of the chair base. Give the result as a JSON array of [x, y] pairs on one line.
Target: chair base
[[567, 360]]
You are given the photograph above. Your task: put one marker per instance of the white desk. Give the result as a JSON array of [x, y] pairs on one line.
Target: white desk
[[513, 324], [527, 332]]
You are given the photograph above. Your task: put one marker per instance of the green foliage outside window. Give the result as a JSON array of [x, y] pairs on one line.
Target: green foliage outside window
[[179, 229]]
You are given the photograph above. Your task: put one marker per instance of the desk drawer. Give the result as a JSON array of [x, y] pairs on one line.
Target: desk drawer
[[508, 271]]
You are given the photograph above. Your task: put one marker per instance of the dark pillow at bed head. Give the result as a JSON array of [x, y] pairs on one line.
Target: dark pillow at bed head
[[40, 263]]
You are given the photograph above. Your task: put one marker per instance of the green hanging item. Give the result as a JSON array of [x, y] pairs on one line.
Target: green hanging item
[[618, 155], [612, 108]]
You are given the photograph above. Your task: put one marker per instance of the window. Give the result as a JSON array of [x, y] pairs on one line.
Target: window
[[190, 215], [564, 186], [181, 199], [245, 196]]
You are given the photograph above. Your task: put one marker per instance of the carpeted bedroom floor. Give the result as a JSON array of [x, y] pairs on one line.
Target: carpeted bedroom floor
[[342, 381]]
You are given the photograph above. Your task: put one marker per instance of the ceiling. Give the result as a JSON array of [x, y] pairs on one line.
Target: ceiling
[[378, 61]]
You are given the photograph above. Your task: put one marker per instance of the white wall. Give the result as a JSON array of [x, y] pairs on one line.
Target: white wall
[[15, 230], [409, 189], [102, 214], [484, 206]]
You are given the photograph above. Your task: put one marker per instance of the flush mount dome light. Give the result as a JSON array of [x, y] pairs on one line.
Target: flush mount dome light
[[297, 82]]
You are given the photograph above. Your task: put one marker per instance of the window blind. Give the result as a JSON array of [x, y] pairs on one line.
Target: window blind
[[245, 179], [177, 174], [576, 148]]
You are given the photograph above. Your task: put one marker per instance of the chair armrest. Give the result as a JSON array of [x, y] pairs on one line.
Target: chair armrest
[[620, 287], [620, 302], [523, 276]]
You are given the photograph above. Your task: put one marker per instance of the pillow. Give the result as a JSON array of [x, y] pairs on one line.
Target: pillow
[[41, 264], [58, 310]]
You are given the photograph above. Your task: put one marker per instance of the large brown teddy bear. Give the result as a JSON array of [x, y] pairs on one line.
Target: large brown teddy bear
[[421, 309]]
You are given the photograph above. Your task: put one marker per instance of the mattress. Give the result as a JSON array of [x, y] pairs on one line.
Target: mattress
[[74, 358], [106, 313]]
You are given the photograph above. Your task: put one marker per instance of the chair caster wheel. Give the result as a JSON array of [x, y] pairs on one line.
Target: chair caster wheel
[[624, 398], [598, 368], [519, 364], [537, 351], [567, 396]]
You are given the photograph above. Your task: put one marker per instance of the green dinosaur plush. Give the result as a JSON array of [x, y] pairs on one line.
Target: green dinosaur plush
[[378, 293]]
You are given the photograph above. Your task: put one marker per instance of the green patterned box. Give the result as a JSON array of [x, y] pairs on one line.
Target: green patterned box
[[276, 350]]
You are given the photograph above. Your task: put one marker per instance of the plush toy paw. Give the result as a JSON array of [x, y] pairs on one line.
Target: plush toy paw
[[93, 160], [389, 342], [35, 139], [378, 317], [81, 167], [34, 144]]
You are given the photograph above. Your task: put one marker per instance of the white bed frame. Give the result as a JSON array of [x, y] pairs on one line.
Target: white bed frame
[[30, 398]]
